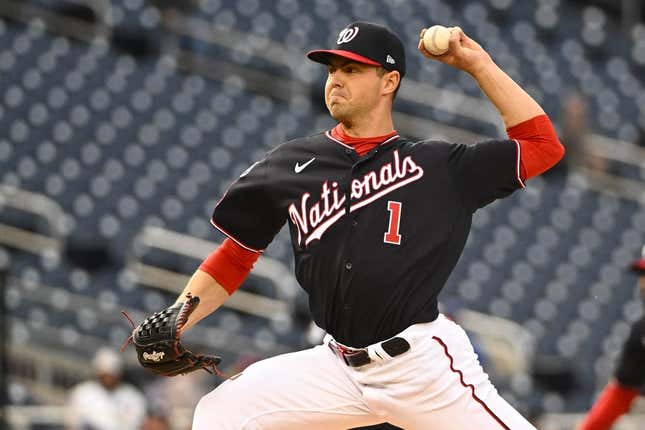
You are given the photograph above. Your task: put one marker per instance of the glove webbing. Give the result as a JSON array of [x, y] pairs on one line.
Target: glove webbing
[[183, 317]]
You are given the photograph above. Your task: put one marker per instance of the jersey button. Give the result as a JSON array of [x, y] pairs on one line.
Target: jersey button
[[354, 223], [348, 265], [349, 151]]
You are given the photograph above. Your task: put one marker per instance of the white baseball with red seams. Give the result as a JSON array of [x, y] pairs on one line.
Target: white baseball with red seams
[[436, 39], [428, 387]]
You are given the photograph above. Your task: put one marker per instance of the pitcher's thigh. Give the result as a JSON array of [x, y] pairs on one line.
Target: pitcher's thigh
[[305, 389], [470, 412], [475, 407], [458, 395]]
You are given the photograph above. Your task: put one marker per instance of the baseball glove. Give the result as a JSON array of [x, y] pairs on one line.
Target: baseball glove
[[158, 342]]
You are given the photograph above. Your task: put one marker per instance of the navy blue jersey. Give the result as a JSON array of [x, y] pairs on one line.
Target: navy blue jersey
[[374, 237]]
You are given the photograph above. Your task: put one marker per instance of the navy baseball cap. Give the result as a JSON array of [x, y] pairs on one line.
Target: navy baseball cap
[[366, 43], [639, 265]]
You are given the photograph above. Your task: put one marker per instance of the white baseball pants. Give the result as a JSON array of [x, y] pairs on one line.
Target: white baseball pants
[[437, 384]]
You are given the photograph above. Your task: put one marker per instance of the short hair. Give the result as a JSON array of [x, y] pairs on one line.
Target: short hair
[[381, 71]]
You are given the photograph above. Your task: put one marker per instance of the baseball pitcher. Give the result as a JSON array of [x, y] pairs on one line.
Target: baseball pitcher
[[377, 223]]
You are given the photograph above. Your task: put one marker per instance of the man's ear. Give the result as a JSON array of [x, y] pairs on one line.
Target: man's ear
[[391, 81]]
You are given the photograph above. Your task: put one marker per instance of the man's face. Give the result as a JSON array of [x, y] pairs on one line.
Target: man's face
[[641, 282], [352, 89], [109, 380]]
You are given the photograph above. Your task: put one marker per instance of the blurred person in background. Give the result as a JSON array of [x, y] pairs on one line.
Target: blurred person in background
[[574, 128], [185, 392], [106, 402], [629, 378], [640, 139], [575, 135]]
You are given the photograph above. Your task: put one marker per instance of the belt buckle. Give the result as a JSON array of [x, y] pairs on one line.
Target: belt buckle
[[342, 352], [343, 355], [360, 357]]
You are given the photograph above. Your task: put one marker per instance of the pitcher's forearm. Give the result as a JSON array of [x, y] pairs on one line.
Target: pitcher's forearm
[[211, 296], [219, 275], [513, 103]]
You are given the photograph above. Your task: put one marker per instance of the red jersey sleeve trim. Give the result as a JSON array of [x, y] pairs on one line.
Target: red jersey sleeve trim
[[230, 236], [229, 265]]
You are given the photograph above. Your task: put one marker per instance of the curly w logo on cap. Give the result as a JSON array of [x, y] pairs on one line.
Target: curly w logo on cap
[[346, 35], [366, 43]]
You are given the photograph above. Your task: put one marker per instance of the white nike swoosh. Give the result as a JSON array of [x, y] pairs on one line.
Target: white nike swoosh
[[298, 168]]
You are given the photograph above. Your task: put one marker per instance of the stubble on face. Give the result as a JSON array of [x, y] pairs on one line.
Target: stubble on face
[[339, 107], [353, 94], [340, 103]]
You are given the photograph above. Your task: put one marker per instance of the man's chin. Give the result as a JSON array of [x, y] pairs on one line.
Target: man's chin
[[340, 115]]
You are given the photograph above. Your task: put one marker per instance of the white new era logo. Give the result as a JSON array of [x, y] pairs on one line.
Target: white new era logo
[[389, 59]]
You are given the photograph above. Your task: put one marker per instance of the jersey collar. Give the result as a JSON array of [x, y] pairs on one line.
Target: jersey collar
[[385, 142]]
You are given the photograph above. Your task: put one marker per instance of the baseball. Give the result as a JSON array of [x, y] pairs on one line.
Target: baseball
[[436, 39]]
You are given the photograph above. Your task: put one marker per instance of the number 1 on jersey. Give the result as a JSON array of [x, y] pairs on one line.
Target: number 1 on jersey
[[392, 235]]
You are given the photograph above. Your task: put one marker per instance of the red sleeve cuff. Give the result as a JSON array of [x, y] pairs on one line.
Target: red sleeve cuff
[[229, 265], [540, 147], [614, 402]]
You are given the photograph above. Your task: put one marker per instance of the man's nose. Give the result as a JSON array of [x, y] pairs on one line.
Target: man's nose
[[335, 80]]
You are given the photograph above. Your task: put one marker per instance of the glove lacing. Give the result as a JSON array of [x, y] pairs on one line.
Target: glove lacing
[[181, 321]]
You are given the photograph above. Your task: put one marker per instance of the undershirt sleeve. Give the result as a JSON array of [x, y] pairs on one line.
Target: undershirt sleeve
[[540, 148], [229, 265]]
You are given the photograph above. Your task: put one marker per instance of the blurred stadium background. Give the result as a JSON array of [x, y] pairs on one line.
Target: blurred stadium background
[[123, 121]]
